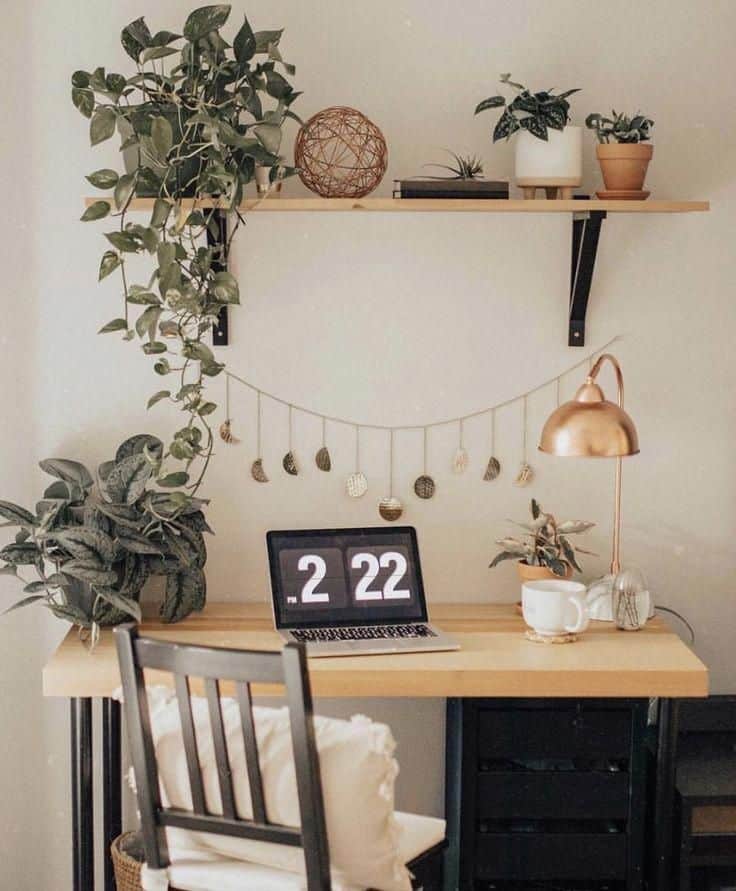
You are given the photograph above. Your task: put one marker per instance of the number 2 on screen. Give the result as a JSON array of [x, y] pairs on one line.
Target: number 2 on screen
[[390, 591], [309, 595]]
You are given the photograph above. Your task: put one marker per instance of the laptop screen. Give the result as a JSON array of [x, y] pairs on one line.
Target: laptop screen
[[346, 577]]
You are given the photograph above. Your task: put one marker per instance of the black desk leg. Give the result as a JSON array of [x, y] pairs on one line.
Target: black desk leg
[[453, 791], [112, 824], [664, 802], [82, 797]]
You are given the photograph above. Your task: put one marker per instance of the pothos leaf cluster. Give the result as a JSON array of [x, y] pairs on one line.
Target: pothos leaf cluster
[[93, 545], [536, 113], [195, 118]]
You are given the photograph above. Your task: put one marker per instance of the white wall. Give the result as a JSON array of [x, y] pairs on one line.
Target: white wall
[[391, 319]]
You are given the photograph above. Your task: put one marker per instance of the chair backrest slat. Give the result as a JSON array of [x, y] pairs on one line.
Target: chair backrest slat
[[189, 738], [247, 725], [224, 771], [288, 668]]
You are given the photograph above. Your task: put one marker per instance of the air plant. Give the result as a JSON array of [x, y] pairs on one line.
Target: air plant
[[465, 167], [545, 543]]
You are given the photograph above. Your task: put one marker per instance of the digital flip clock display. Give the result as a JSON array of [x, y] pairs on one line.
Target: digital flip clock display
[[347, 580]]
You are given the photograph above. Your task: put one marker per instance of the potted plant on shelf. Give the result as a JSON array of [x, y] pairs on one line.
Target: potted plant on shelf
[[624, 153], [196, 124], [545, 550], [93, 545], [548, 148]]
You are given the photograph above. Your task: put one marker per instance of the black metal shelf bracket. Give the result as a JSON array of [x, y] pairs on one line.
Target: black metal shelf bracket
[[218, 239], [586, 231]]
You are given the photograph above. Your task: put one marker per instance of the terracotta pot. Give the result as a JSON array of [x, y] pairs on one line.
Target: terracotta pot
[[624, 165], [536, 573]]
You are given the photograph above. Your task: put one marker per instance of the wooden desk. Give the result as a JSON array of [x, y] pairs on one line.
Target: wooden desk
[[494, 661]]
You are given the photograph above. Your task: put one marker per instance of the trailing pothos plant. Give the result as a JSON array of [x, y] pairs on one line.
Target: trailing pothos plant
[[93, 544], [535, 112], [196, 116]]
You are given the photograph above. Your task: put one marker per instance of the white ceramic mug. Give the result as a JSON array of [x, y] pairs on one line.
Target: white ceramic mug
[[553, 607]]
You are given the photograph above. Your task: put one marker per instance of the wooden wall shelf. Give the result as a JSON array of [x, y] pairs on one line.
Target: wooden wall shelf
[[586, 214], [443, 205]]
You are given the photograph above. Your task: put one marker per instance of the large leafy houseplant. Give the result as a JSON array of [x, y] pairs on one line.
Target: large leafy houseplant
[[535, 112], [196, 117], [93, 544]]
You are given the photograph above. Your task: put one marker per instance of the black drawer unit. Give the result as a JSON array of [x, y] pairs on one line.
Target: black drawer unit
[[553, 791]]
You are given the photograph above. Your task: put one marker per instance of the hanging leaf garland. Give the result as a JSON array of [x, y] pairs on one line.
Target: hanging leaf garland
[[195, 123]]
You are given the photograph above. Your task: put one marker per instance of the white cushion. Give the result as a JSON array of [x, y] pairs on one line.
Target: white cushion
[[358, 776], [202, 871]]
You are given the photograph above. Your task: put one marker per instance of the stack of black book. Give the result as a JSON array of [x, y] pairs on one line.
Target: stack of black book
[[450, 188]]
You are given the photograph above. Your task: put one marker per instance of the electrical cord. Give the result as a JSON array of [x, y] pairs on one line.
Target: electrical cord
[[672, 612]]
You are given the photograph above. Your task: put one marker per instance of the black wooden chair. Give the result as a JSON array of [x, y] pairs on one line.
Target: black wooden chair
[[213, 665]]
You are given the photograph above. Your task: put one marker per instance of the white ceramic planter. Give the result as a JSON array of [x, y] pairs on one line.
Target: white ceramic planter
[[556, 162]]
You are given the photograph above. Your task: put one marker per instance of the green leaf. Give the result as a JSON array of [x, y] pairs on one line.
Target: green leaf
[[138, 445], [84, 100], [506, 126], [15, 515], [491, 102], [120, 602], [157, 397], [277, 85], [206, 19], [154, 348], [90, 545], [206, 408], [96, 211], [80, 79], [244, 45], [504, 555], [114, 325], [135, 37], [196, 350], [140, 296], [161, 211], [69, 471], [109, 263], [171, 480], [163, 38], [137, 544], [266, 39], [115, 83], [147, 322], [269, 135], [186, 591], [24, 553], [102, 125], [157, 52], [126, 482], [103, 179], [26, 601], [89, 572], [124, 189], [225, 287], [123, 241], [162, 367], [162, 136]]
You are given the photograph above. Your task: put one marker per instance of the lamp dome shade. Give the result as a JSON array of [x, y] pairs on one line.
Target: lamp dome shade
[[589, 426]]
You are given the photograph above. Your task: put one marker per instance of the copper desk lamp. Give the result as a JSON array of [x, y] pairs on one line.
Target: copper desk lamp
[[589, 426]]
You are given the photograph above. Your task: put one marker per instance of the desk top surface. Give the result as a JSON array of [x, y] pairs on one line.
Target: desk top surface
[[495, 659]]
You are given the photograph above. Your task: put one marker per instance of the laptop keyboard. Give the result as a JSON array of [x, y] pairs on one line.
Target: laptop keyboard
[[366, 632]]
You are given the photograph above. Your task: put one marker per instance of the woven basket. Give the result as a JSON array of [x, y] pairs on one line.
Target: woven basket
[[127, 868]]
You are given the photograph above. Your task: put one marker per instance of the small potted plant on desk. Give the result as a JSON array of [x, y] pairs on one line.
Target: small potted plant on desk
[[544, 551], [548, 149], [624, 153]]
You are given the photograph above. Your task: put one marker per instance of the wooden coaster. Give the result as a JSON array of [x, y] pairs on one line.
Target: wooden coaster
[[531, 635]]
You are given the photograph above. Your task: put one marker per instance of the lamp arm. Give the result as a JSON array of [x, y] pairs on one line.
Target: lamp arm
[[615, 551], [619, 374]]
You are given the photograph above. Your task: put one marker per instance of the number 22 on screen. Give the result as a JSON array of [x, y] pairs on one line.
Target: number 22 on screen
[[373, 563]]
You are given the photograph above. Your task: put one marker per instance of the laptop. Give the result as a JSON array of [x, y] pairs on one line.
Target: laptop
[[351, 592]]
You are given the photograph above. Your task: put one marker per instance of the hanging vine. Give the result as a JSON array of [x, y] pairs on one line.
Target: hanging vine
[[194, 126]]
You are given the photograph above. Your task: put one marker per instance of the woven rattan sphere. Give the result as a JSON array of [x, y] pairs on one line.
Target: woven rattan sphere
[[340, 154]]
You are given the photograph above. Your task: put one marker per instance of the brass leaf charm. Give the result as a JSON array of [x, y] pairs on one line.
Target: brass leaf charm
[[322, 459], [257, 471], [390, 508], [226, 433], [424, 486], [493, 469], [460, 461], [525, 475], [289, 464]]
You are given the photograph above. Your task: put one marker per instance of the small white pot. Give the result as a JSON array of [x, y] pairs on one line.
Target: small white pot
[[556, 162]]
